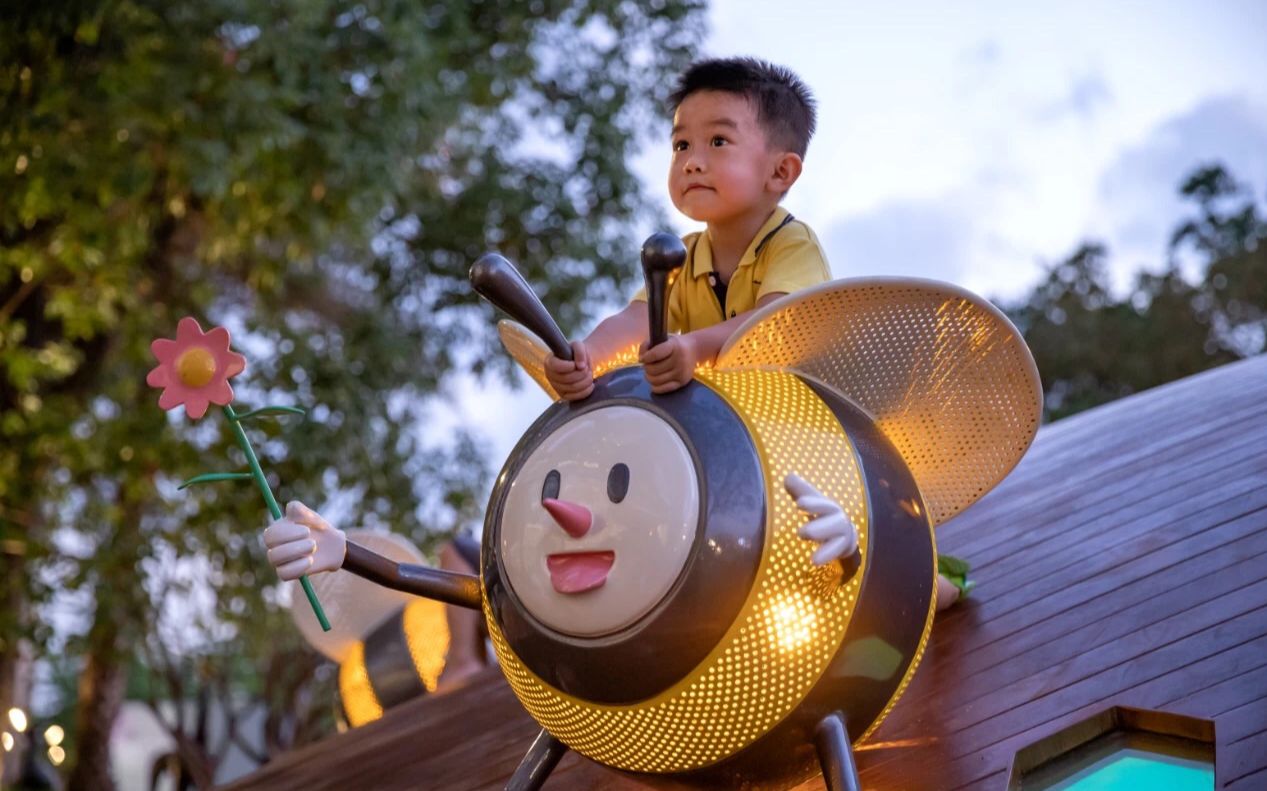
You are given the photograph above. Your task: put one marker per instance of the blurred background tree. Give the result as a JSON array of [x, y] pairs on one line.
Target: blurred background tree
[[317, 176], [1207, 307]]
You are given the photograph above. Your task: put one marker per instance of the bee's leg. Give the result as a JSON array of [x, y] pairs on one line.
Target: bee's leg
[[537, 765], [831, 738]]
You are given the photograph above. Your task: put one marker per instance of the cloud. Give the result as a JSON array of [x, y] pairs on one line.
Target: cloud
[[1138, 192], [975, 66], [916, 238], [985, 53], [1086, 95]]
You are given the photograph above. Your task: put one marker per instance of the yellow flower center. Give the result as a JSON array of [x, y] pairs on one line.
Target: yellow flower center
[[196, 367]]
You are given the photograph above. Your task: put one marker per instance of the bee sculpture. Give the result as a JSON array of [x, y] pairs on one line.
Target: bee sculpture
[[642, 578]]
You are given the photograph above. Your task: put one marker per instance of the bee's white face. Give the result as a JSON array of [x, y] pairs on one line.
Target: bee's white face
[[600, 520]]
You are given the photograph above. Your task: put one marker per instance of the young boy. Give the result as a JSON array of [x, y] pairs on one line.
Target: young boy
[[740, 130], [741, 127]]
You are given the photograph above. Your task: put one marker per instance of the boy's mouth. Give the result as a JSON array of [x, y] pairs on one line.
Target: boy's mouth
[[577, 572]]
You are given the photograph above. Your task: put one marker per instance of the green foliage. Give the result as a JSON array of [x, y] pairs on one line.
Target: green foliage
[[1092, 347], [317, 176]]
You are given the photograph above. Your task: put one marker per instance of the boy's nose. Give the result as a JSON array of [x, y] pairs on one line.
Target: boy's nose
[[575, 519]]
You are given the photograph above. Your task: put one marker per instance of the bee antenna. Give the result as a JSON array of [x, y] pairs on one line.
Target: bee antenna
[[661, 254], [498, 281]]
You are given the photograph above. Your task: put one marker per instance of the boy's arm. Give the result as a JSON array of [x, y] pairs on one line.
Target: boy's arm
[[617, 333], [672, 364]]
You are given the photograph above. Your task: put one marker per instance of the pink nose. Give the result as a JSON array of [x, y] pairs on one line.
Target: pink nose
[[573, 518]]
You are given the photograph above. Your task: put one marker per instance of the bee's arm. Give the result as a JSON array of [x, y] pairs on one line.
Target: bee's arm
[[450, 587], [829, 526]]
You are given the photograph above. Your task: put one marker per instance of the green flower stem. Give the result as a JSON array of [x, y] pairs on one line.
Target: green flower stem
[[271, 502], [216, 476]]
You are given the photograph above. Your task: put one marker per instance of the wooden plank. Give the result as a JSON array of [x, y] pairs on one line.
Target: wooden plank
[[394, 752], [974, 735], [1041, 528], [1104, 497], [1254, 781], [982, 622], [970, 753], [1222, 695], [1004, 637], [1239, 762], [1046, 643], [1003, 515], [1159, 544]]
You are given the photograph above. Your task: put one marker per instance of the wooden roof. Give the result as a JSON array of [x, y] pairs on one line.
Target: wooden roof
[[1124, 562]]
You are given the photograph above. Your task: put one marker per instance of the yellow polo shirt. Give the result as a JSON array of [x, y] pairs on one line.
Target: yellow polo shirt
[[784, 256]]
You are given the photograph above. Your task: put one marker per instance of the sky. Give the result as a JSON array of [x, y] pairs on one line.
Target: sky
[[977, 142], [971, 143]]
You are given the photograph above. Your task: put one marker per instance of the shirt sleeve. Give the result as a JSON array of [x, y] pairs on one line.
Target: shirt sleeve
[[797, 261]]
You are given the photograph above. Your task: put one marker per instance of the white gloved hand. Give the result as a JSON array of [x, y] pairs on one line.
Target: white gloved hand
[[829, 525], [303, 543]]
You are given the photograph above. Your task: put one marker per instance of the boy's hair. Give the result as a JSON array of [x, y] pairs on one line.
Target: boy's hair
[[785, 107]]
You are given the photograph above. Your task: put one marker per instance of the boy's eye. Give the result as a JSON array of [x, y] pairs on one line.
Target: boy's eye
[[550, 490], [679, 145], [618, 482], [718, 141]]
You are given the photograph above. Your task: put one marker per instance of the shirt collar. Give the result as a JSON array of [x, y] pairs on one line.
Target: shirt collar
[[702, 256]]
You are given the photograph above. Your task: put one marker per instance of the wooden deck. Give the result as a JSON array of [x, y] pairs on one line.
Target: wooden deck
[[1123, 562]]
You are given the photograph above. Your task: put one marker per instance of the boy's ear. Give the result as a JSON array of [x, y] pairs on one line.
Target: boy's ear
[[787, 169]]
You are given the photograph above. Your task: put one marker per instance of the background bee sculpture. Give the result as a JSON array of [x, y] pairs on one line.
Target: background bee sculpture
[[642, 578]]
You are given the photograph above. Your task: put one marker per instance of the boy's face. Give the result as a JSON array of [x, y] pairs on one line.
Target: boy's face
[[722, 165]]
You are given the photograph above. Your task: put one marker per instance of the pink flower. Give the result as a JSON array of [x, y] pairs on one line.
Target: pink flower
[[194, 369]]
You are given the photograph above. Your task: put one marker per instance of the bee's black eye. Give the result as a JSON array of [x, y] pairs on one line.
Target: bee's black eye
[[618, 482], [550, 490]]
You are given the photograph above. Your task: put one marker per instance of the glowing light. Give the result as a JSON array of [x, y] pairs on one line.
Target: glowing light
[[427, 634], [359, 701], [911, 507], [56, 755], [18, 718], [54, 734], [7, 739], [793, 622], [621, 359], [896, 744]]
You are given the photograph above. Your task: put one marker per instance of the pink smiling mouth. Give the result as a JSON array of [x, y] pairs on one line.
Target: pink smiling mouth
[[577, 572]]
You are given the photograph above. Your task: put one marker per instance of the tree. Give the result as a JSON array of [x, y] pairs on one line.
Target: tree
[[317, 176], [1092, 347]]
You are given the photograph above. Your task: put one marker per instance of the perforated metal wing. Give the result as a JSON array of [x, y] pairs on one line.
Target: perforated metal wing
[[528, 350], [945, 375]]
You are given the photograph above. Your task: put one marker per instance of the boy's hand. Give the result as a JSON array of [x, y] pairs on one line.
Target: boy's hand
[[571, 379], [303, 543], [671, 364], [829, 525]]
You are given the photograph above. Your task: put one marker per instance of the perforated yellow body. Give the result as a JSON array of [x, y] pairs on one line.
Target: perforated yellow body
[[784, 636]]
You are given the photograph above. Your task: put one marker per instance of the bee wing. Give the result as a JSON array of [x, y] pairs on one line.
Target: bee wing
[[941, 371], [354, 605], [528, 350]]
